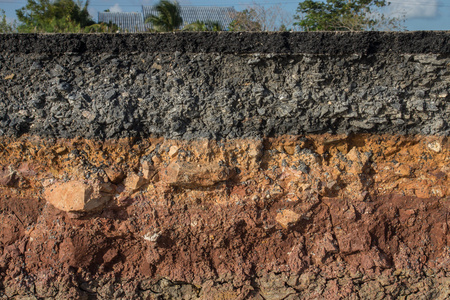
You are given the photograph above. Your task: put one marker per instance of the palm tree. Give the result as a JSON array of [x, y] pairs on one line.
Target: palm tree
[[169, 17]]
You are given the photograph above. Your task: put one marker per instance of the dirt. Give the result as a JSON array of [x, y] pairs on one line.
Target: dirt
[[295, 217]]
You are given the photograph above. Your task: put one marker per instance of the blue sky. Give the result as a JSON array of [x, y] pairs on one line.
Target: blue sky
[[419, 14]]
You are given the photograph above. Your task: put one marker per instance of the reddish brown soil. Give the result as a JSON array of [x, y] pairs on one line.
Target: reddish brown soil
[[315, 217]]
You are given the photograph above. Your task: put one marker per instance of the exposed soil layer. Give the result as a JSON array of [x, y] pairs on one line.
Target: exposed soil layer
[[295, 217]]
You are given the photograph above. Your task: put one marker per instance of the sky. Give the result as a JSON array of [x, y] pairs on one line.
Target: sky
[[418, 14]]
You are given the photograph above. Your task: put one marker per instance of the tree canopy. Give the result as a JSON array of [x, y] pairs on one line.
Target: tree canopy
[[168, 18], [54, 16], [246, 20], [344, 15], [260, 17], [5, 26]]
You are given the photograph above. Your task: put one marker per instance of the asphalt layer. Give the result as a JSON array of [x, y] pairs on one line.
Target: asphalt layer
[[330, 43]]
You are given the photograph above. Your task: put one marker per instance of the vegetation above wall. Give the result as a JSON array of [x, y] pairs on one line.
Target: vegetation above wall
[[334, 15]]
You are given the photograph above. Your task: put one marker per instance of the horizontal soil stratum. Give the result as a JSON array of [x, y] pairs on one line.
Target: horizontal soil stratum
[[225, 166]]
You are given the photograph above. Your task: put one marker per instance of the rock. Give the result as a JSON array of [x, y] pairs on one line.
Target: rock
[[148, 171], [156, 66], [114, 174], [289, 149], [110, 95], [287, 218], [403, 171], [173, 151], [134, 181], [359, 162], [435, 146], [193, 175], [77, 196], [152, 237], [8, 178], [60, 150], [90, 116]]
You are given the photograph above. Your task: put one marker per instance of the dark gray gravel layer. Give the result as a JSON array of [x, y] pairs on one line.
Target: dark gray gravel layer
[[109, 86]]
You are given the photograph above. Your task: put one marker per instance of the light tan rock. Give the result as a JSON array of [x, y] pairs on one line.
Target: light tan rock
[[173, 151], [359, 161], [435, 146], [403, 171], [156, 160], [77, 196], [287, 218], [194, 174], [61, 150], [148, 171], [134, 181]]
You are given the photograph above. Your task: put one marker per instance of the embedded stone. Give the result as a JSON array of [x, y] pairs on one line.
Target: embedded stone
[[194, 174], [358, 161], [134, 181], [173, 151], [77, 196], [435, 146], [148, 171], [287, 218], [114, 174]]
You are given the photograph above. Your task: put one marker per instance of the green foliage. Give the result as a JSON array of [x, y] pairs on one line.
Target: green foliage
[[5, 26], [168, 18], [246, 20], [101, 28], [203, 26], [343, 15], [54, 16]]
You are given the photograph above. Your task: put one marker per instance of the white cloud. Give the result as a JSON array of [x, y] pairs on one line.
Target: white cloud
[[115, 8], [414, 8]]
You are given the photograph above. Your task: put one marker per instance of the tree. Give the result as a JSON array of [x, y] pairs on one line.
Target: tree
[[344, 15], [257, 17], [54, 16], [5, 26], [203, 26], [168, 18], [245, 20]]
